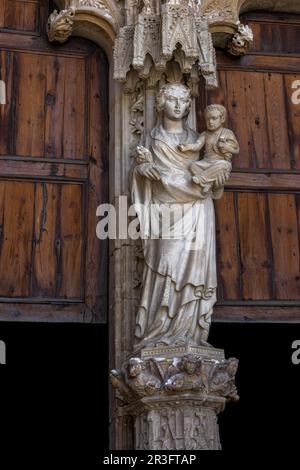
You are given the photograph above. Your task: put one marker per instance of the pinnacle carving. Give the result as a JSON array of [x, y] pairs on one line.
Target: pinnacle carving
[[159, 33]]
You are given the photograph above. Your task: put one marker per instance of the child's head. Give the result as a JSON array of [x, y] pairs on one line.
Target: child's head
[[215, 116]]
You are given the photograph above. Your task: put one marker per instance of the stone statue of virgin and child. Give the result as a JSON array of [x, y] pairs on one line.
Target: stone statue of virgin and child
[[173, 188]]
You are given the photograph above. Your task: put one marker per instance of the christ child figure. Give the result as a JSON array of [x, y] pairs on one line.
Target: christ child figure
[[211, 172]]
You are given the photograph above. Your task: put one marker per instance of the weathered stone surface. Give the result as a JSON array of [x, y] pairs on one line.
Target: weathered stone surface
[[175, 401]]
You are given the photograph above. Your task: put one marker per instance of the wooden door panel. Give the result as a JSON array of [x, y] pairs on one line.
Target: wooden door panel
[[274, 37], [258, 246], [53, 175], [255, 256], [285, 243], [42, 240], [258, 217], [50, 114], [17, 215], [228, 257], [19, 15], [259, 112]]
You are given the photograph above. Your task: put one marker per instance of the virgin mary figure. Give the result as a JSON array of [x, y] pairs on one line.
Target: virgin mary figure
[[179, 278]]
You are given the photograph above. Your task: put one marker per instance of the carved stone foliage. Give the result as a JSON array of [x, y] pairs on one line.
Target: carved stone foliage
[[175, 400], [136, 123], [92, 3], [166, 377], [61, 24], [241, 41]]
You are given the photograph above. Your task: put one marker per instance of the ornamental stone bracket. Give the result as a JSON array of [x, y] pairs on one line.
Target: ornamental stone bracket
[[77, 17]]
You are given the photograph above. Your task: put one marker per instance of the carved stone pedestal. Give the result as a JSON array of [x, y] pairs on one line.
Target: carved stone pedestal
[[181, 422], [174, 397]]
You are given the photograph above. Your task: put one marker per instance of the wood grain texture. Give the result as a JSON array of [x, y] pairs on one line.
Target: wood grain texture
[[50, 106], [262, 313], [293, 120], [96, 292], [20, 15], [257, 92], [53, 174], [274, 37], [256, 262], [6, 111], [285, 245], [17, 214], [229, 286], [43, 279]]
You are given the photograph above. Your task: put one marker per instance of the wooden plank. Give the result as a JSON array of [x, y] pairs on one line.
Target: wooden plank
[[54, 104], [227, 249], [51, 312], [6, 110], [285, 243], [30, 83], [65, 108], [277, 121], [270, 18], [261, 63], [275, 37], [74, 111], [293, 121], [29, 169], [256, 261], [257, 119], [75, 47], [96, 256], [69, 245], [264, 181], [43, 279], [15, 260], [245, 314], [19, 15]]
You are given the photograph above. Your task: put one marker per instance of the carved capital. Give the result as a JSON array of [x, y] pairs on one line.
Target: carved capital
[[175, 400]]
